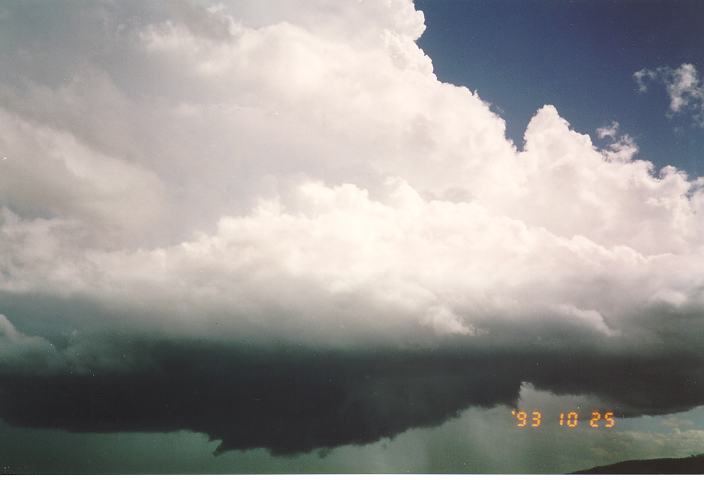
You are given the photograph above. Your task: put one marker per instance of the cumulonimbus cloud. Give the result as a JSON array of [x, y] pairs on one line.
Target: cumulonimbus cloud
[[294, 179]]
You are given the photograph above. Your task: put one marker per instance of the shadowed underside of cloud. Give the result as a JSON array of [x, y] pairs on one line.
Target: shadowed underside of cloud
[[296, 400], [272, 223]]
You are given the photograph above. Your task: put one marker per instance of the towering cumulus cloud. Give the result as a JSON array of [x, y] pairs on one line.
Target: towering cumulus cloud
[[270, 222]]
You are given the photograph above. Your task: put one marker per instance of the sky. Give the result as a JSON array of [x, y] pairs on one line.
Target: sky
[[347, 236], [579, 56]]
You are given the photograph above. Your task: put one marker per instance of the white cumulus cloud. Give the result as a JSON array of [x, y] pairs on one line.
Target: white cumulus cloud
[[299, 174]]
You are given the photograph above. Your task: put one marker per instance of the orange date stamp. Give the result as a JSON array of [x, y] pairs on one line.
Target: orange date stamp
[[534, 419]]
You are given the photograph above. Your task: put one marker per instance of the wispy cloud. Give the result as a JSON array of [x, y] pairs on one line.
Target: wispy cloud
[[683, 86]]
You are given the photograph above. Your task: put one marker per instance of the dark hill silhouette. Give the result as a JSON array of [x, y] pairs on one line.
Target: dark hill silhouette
[[687, 465]]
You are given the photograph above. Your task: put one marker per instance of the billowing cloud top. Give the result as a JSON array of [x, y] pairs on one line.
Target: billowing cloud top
[[292, 177]]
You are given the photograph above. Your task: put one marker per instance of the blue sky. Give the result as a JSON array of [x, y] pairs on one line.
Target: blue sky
[[579, 56]]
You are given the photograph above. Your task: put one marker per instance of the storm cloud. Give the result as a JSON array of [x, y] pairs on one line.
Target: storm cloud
[[273, 224], [294, 401]]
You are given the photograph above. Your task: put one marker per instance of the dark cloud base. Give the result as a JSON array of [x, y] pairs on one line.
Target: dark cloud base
[[294, 401]]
